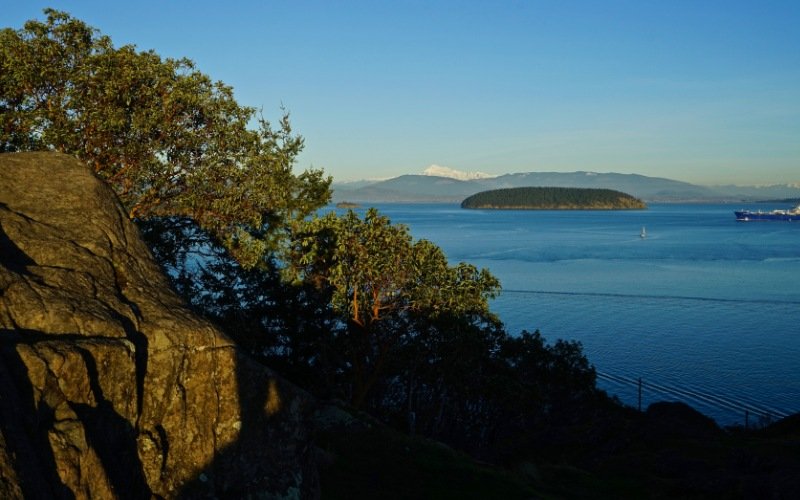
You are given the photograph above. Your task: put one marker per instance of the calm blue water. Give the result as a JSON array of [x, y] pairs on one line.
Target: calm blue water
[[705, 310]]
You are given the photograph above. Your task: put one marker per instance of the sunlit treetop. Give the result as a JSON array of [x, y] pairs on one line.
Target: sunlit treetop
[[169, 140], [375, 270]]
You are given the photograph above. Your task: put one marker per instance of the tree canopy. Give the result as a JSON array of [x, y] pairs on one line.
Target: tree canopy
[[170, 141], [374, 268], [381, 282]]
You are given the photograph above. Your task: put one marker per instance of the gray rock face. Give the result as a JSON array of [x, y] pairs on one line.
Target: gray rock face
[[109, 386]]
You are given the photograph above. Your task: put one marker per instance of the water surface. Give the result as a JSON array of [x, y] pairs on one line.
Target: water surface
[[704, 309]]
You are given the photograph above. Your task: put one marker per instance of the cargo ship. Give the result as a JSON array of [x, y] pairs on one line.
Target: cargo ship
[[785, 215]]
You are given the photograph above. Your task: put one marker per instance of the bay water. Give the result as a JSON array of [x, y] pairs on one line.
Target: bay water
[[703, 309]]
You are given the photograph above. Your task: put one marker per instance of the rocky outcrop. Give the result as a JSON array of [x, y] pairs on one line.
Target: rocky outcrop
[[109, 386]]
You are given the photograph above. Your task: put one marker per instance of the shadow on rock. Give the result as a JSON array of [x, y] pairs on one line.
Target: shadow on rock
[[274, 437]]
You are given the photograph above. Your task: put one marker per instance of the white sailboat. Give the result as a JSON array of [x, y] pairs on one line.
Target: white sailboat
[[643, 234]]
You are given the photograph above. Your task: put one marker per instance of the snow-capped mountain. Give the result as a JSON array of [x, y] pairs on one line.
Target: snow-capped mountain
[[451, 173]]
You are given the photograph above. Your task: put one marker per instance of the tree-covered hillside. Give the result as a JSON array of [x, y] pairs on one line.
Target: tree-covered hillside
[[553, 198]]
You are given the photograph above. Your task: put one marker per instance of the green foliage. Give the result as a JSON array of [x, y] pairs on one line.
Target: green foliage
[[435, 360], [419, 341], [168, 139], [375, 269], [379, 281], [469, 383], [291, 328], [553, 198]]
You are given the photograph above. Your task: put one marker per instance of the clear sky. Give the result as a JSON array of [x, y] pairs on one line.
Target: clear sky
[[694, 90]]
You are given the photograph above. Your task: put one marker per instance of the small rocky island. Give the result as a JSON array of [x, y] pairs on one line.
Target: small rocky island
[[347, 204], [553, 198]]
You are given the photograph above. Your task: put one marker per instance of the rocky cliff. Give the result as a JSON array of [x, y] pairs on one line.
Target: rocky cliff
[[109, 386]]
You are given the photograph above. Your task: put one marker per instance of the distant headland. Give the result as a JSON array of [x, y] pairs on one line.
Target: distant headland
[[553, 198]]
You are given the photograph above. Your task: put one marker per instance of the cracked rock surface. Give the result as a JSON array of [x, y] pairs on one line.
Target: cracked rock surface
[[109, 386]]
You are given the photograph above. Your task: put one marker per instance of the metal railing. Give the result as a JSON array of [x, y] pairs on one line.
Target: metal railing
[[763, 414]]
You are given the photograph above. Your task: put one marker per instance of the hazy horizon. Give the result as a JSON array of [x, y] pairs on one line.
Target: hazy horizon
[[701, 92]]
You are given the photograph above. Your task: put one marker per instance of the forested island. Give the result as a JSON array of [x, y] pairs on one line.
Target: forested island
[[553, 198]]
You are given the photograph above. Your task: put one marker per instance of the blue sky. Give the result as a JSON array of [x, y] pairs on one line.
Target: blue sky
[[700, 91]]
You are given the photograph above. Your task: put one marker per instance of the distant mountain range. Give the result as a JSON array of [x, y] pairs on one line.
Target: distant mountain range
[[448, 189]]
